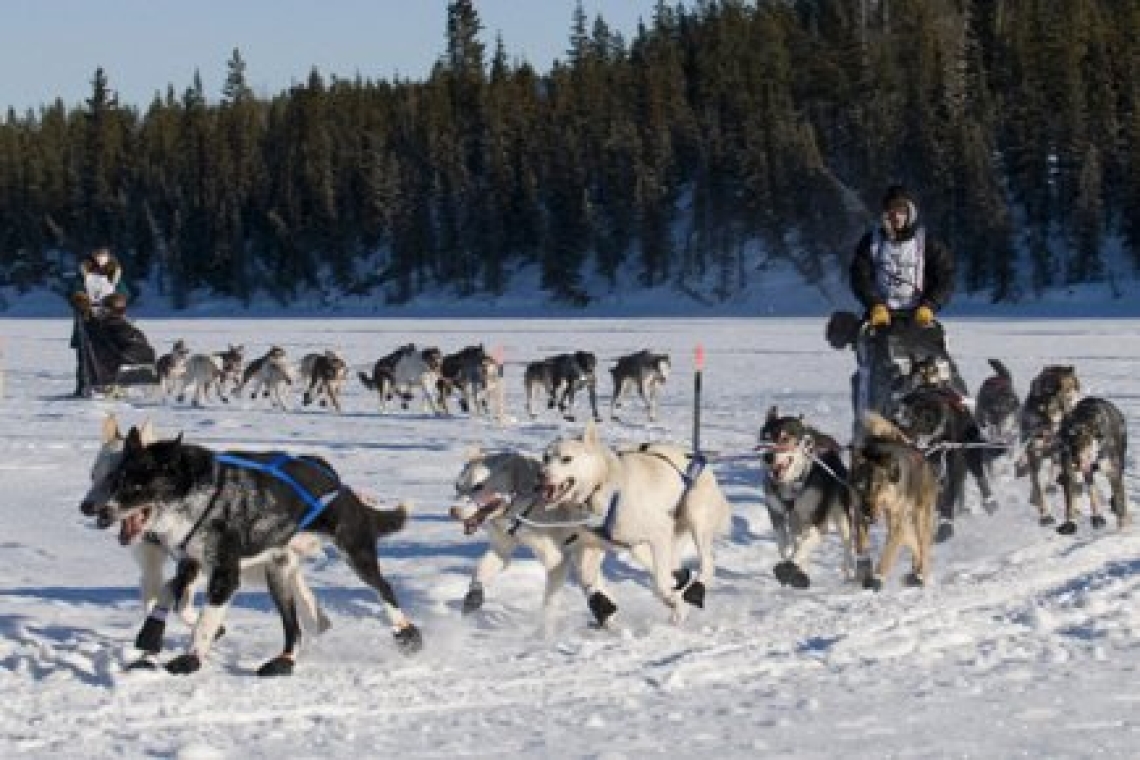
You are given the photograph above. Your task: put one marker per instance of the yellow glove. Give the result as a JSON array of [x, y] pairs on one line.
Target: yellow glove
[[924, 316], [880, 317]]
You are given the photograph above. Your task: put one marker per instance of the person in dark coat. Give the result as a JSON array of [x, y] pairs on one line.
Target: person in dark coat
[[903, 278], [898, 270], [100, 274]]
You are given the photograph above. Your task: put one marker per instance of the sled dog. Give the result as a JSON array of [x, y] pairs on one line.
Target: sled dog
[[474, 375], [996, 411], [381, 379], [501, 491], [212, 372], [171, 369], [1093, 438], [649, 498], [404, 370], [645, 371], [892, 481], [324, 375], [1052, 394], [270, 376], [938, 423], [220, 509], [805, 490], [559, 378], [151, 556]]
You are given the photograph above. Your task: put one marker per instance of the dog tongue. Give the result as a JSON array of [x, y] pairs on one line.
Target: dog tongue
[[131, 527]]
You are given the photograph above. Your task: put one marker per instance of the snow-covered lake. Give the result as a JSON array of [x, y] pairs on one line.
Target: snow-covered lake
[[1026, 643]]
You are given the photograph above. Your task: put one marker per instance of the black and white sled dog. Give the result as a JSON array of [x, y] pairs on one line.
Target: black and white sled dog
[[324, 375], [938, 422], [218, 510], [806, 492], [212, 372], [559, 378], [152, 558], [500, 491], [1053, 393], [645, 371], [402, 372], [649, 499], [270, 376], [1093, 439], [171, 369], [996, 410], [475, 376]]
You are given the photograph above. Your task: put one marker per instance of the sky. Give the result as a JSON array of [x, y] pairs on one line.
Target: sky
[[51, 48], [1025, 643]]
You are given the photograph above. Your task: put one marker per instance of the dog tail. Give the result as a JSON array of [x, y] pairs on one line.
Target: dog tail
[[367, 381], [877, 426], [385, 522], [1001, 369]]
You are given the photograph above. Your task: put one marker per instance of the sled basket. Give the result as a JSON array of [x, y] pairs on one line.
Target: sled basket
[[136, 374]]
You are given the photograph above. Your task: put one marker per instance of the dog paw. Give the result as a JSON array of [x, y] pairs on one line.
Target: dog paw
[[864, 568], [281, 665], [990, 505], [945, 532], [682, 578], [695, 594], [782, 571], [184, 665], [873, 583], [1067, 528], [149, 639], [146, 662], [602, 608], [1046, 521], [914, 580], [408, 639], [473, 601], [1098, 521], [797, 578]]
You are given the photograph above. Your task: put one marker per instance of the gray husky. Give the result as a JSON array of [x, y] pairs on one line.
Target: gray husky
[[645, 371], [1093, 438], [502, 490], [220, 510]]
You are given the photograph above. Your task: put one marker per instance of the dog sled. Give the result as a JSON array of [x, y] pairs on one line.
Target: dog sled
[[114, 355], [891, 361]]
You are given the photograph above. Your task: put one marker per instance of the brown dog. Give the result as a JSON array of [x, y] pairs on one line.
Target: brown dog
[[891, 479], [1052, 395]]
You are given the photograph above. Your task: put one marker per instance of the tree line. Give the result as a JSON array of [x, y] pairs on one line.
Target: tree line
[[720, 128]]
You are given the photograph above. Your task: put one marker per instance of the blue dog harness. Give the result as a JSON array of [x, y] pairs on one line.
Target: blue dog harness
[[275, 467]]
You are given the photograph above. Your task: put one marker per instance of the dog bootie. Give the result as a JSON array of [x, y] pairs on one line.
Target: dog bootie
[[281, 665], [945, 531], [474, 599], [1098, 522], [602, 607], [408, 639]]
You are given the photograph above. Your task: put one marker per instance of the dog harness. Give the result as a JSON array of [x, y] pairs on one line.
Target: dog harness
[[275, 467]]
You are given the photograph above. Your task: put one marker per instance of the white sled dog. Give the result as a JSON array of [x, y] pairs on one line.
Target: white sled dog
[[649, 498], [270, 376], [206, 372], [152, 557]]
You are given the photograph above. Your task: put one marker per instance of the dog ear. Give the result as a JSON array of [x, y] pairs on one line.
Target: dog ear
[[147, 432], [472, 453], [773, 414], [110, 431], [808, 443], [134, 441], [590, 436]]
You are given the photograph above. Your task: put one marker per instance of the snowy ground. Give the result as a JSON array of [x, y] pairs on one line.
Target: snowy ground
[[1025, 644]]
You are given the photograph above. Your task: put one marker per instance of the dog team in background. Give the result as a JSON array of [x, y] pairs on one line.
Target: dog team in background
[[472, 376]]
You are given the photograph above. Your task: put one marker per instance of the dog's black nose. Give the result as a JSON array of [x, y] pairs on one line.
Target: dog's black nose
[[87, 508], [769, 457]]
